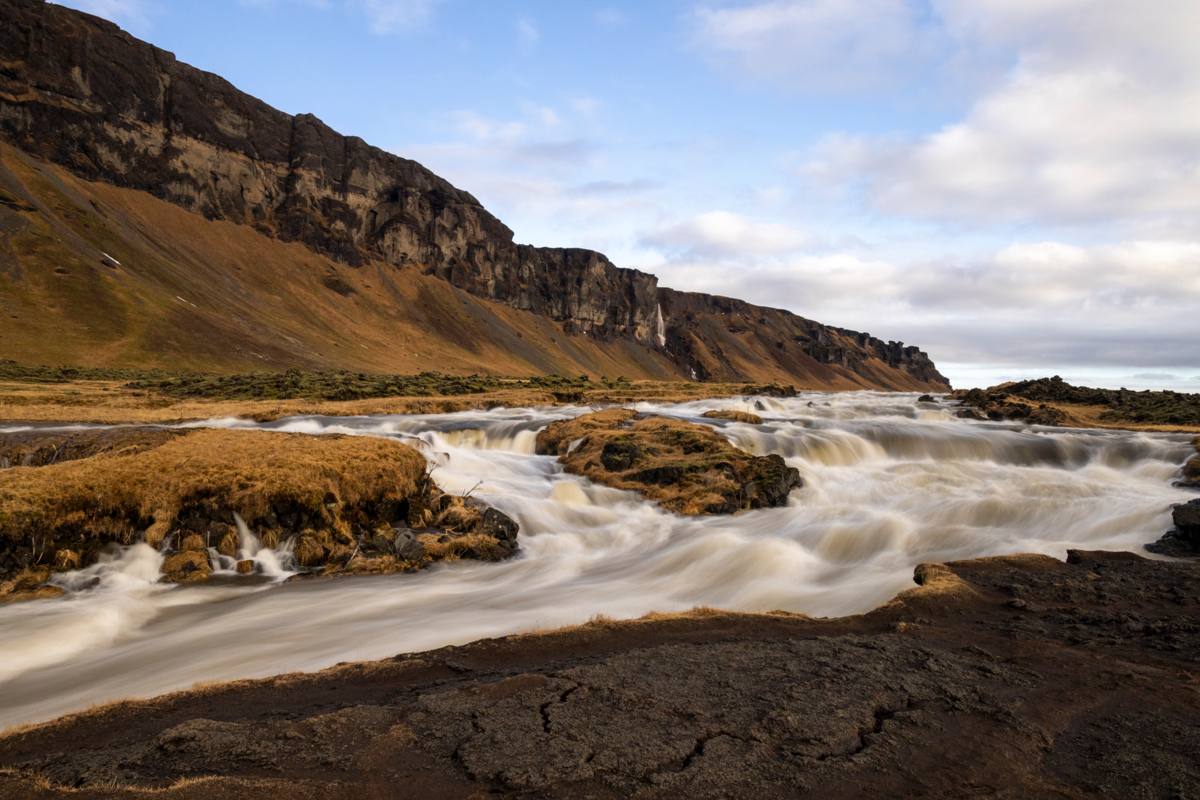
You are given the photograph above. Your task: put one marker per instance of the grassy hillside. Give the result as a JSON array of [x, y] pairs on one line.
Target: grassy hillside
[[191, 293], [194, 294]]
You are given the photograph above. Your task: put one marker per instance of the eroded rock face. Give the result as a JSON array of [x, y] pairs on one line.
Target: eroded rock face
[[687, 468], [78, 91]]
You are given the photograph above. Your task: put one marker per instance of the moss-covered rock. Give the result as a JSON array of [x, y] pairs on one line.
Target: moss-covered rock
[[331, 496], [734, 416], [686, 468]]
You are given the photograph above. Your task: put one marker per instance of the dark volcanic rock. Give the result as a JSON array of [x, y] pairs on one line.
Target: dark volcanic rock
[[1184, 539], [78, 91], [1086, 689]]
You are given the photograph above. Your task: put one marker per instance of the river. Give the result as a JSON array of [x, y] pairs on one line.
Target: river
[[889, 483]]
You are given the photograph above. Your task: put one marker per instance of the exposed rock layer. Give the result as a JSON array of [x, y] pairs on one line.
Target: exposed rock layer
[[80, 92], [1006, 677]]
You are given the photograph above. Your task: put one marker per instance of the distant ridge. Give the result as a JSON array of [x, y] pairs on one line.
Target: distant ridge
[[399, 269]]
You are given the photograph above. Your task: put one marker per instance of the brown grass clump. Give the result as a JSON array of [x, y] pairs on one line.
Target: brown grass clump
[[734, 416], [687, 468], [190, 486], [113, 402]]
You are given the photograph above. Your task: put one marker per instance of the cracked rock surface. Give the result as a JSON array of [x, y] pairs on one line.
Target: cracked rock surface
[[1021, 676]]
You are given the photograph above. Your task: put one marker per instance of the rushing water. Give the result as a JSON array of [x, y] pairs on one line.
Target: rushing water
[[889, 483]]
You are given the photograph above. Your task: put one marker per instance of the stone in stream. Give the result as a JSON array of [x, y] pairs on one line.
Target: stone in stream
[[190, 565], [406, 546], [245, 566], [1183, 541], [684, 467]]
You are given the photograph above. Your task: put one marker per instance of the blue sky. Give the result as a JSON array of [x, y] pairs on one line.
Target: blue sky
[[1013, 185]]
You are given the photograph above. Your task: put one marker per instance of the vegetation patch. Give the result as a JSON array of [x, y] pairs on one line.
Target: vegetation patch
[[1023, 399], [346, 504], [686, 468], [342, 385], [734, 416]]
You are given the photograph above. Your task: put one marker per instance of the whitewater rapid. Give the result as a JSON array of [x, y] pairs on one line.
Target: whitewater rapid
[[889, 483]]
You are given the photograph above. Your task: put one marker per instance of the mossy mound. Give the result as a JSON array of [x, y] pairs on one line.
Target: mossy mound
[[734, 416], [686, 468], [348, 504]]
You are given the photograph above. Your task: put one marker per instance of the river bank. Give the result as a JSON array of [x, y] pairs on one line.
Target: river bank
[[119, 397], [889, 481], [999, 677]]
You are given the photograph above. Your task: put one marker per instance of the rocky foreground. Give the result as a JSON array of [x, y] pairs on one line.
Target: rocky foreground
[[1021, 676]]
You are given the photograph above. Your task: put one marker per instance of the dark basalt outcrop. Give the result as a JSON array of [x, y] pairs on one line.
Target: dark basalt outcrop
[[78, 91], [1000, 677], [1182, 541]]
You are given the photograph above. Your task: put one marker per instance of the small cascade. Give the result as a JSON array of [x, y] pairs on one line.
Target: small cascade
[[277, 563]]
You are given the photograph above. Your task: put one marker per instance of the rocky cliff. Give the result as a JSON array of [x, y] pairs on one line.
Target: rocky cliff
[[78, 91]]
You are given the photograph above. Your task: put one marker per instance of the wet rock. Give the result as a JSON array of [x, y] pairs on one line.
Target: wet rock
[[1183, 541], [499, 526], [192, 541], [66, 559], [406, 546], [246, 566], [228, 543], [1191, 471], [1186, 517], [926, 398], [185, 567]]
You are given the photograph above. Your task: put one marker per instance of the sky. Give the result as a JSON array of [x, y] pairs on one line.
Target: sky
[[1012, 185]]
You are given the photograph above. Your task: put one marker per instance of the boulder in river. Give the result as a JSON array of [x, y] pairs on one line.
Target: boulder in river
[[186, 566], [685, 467], [1183, 540]]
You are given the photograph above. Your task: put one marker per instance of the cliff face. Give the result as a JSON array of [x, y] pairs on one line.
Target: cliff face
[[78, 91]]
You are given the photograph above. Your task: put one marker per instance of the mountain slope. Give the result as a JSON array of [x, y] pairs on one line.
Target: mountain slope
[[311, 248]]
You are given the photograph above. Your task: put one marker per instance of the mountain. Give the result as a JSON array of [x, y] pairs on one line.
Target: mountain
[[152, 214]]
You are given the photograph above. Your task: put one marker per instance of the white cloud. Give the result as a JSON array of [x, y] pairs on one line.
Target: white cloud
[[528, 34], [611, 17], [720, 234], [388, 16], [1097, 121], [383, 16], [823, 45], [1036, 302]]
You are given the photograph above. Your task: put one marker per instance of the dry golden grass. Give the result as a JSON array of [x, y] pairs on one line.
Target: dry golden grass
[[109, 402], [734, 416], [115, 496]]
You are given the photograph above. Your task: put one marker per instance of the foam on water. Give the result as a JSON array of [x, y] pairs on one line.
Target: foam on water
[[889, 483]]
